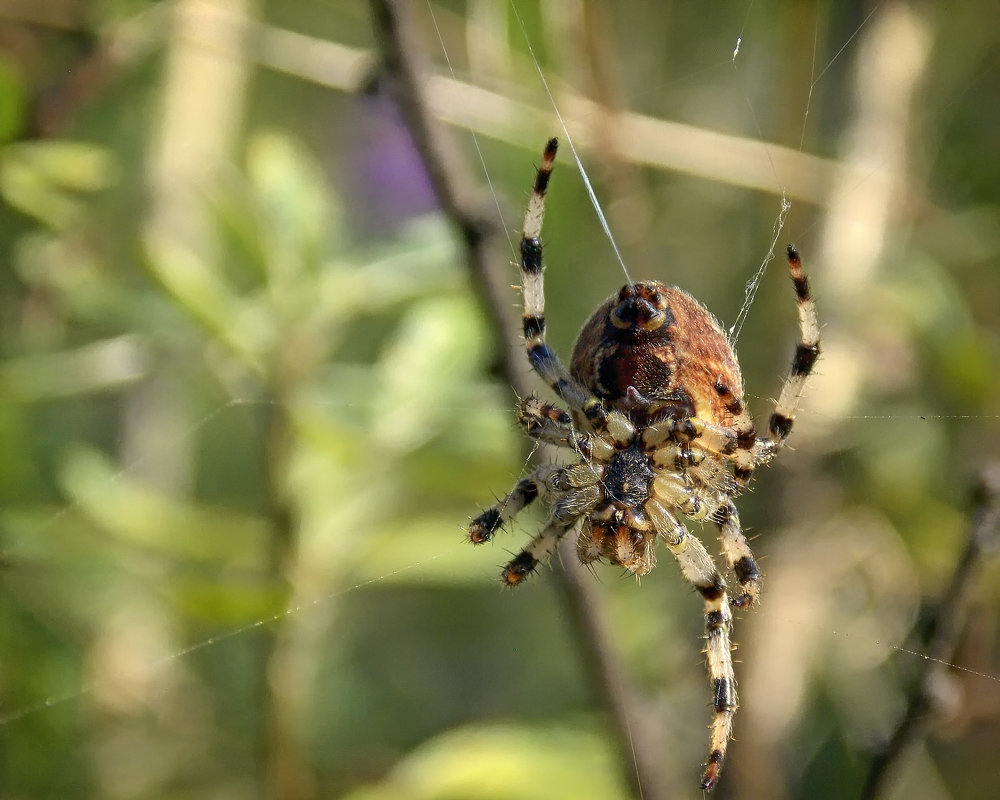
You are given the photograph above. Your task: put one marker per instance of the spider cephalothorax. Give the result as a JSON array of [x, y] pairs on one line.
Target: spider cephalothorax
[[656, 416]]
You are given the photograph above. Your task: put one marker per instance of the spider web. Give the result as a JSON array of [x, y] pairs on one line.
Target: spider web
[[753, 284], [742, 48]]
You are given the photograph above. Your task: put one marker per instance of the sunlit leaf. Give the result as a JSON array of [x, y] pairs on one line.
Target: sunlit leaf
[[503, 762], [46, 179]]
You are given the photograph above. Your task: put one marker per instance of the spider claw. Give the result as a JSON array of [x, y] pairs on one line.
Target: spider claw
[[712, 770], [482, 528], [519, 568]]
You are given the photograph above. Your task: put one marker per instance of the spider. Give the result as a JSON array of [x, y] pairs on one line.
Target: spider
[[656, 418]]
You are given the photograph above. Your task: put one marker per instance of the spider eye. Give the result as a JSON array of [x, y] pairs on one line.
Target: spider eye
[[617, 319], [627, 293], [642, 310]]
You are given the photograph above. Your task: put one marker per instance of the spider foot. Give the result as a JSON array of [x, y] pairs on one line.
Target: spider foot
[[712, 770], [482, 528], [518, 568]]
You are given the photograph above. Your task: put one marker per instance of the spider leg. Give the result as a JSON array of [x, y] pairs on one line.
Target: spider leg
[[540, 548], [736, 444], [708, 436], [700, 571], [672, 489], [549, 423], [525, 492], [567, 512], [740, 443], [737, 553], [806, 353], [543, 360]]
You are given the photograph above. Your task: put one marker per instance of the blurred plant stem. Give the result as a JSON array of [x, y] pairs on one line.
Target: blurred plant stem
[[938, 641], [205, 85], [287, 775], [457, 193], [402, 71]]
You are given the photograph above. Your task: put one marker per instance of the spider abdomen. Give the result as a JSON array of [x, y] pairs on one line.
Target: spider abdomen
[[653, 351]]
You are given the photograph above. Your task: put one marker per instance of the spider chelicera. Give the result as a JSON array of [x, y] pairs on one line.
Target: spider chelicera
[[656, 417]]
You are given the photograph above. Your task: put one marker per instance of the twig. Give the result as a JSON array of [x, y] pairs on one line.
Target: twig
[[479, 234], [454, 188], [939, 640], [642, 140]]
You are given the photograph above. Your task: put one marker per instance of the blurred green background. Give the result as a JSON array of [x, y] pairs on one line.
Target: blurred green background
[[249, 397]]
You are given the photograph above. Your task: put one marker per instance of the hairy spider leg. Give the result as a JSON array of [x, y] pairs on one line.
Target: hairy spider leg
[[724, 442], [525, 491], [540, 548], [700, 571], [706, 435], [737, 553], [574, 492], [543, 359], [549, 423], [806, 353]]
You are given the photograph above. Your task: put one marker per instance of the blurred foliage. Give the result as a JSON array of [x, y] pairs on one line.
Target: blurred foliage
[[249, 399]]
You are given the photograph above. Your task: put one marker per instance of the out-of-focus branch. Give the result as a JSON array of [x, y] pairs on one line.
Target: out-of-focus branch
[[937, 644], [400, 66], [454, 188], [498, 114]]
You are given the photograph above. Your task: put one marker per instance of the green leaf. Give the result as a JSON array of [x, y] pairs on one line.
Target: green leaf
[[42, 178], [13, 100], [504, 762]]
